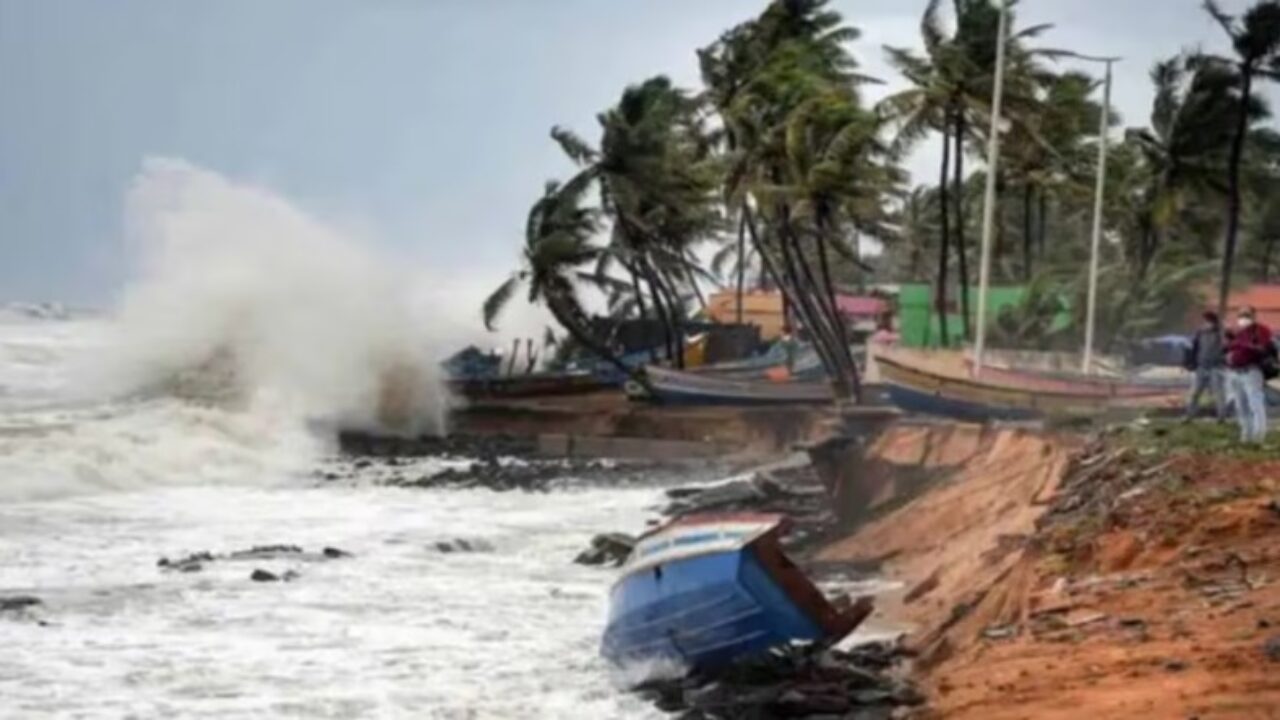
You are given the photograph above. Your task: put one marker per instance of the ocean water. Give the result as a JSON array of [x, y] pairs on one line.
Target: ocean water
[[96, 486]]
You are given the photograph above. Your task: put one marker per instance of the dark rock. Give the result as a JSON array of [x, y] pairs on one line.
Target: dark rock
[[610, 548], [334, 553], [19, 602], [1271, 649], [464, 545], [1176, 665], [362, 463], [191, 563], [261, 552], [260, 575]]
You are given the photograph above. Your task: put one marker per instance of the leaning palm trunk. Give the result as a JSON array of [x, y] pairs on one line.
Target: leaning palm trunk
[[573, 320], [944, 204], [742, 262], [1233, 192], [962, 255], [791, 299], [837, 316], [817, 317]]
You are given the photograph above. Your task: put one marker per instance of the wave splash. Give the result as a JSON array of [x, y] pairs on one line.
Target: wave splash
[[249, 325]]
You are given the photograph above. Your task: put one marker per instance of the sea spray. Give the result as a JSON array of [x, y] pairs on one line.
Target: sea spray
[[232, 275], [248, 325]]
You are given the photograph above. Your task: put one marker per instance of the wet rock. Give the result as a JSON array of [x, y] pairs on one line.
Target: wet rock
[[189, 564], [462, 545], [265, 552], [608, 549], [334, 553], [260, 575], [1271, 649], [15, 603], [792, 682]]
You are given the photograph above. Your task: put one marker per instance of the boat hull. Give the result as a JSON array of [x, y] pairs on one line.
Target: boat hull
[[705, 592], [527, 386], [673, 387], [922, 391]]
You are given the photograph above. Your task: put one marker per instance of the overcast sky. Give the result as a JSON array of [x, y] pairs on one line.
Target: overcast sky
[[423, 122]]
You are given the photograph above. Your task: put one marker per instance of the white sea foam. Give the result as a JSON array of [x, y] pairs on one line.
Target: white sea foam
[[116, 447]]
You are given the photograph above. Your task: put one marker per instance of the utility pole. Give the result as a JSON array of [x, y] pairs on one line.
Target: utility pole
[[989, 203], [1104, 127]]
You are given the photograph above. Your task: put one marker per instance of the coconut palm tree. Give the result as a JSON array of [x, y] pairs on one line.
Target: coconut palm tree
[[760, 76], [657, 183], [1184, 152], [951, 94], [558, 251], [1255, 38]]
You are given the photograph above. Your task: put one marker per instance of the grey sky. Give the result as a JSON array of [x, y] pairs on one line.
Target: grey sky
[[422, 121]]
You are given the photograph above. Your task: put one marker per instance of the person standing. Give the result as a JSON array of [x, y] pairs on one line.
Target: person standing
[[1205, 360], [1248, 349]]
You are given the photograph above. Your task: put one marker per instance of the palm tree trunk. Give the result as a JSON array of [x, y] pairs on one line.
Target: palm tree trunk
[[944, 203], [676, 308], [819, 333], [824, 317], [742, 261], [1233, 190], [790, 292], [644, 314], [961, 252], [571, 320], [659, 309], [1266, 258], [1042, 218], [841, 326], [1028, 190]]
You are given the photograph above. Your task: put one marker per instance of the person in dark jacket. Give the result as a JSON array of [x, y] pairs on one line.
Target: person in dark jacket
[[1205, 360], [1248, 349]]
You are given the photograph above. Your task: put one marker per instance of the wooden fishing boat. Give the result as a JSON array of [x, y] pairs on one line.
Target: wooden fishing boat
[[527, 386], [920, 390], [704, 591], [1081, 384], [677, 387]]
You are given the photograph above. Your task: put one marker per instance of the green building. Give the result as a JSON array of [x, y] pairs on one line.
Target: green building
[[918, 325]]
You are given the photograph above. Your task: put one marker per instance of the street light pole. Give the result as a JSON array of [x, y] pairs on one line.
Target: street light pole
[[989, 202], [1104, 126]]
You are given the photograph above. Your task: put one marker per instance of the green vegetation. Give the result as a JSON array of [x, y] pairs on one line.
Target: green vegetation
[[776, 166], [1165, 437]]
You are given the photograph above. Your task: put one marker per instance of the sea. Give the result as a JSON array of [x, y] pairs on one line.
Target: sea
[[94, 491], [192, 413]]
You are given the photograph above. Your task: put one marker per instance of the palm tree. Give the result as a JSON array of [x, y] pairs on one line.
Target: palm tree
[[657, 184], [558, 248], [1182, 155], [766, 80], [1256, 40], [952, 85]]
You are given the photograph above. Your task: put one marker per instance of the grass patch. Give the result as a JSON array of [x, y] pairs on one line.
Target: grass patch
[[1203, 437]]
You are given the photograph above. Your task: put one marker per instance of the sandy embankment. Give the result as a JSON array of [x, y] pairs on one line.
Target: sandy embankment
[[1043, 579]]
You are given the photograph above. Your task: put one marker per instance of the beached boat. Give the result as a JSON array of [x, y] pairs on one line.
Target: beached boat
[[677, 387], [527, 386], [922, 390], [1081, 384], [704, 591]]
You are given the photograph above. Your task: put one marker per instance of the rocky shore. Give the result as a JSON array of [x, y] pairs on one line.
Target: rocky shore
[[501, 463]]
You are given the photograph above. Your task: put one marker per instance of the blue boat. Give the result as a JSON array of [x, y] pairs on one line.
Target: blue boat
[[705, 591]]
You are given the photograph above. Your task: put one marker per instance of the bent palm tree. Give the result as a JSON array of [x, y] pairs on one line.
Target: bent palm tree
[[1256, 40], [558, 245]]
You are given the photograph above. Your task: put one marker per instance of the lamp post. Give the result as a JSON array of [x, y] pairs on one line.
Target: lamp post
[[989, 201], [1104, 126]]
